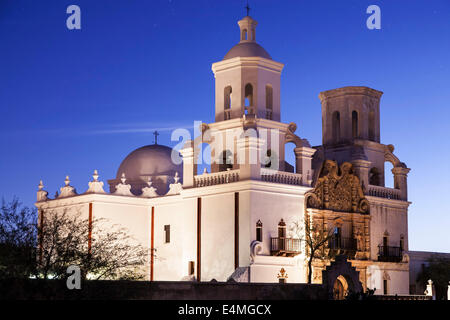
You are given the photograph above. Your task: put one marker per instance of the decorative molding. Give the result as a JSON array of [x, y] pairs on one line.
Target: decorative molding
[[123, 189], [337, 189], [67, 190], [175, 188], [292, 137], [95, 186], [149, 191], [42, 195], [256, 249]]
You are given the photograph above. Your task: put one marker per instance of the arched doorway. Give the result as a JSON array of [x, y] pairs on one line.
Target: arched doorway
[[340, 288], [340, 278]]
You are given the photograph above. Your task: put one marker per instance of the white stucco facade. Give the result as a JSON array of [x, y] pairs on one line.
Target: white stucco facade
[[228, 222]]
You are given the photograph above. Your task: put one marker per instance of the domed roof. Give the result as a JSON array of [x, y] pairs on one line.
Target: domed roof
[[247, 49], [151, 160]]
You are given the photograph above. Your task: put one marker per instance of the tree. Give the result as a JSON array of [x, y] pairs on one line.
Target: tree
[[18, 234], [64, 239], [438, 271], [315, 238]]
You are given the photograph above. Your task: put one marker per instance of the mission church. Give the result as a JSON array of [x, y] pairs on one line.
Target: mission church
[[238, 220]]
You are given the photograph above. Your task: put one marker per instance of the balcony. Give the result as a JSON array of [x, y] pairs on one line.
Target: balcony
[[285, 247], [390, 254], [342, 245], [211, 179], [383, 192], [270, 175]]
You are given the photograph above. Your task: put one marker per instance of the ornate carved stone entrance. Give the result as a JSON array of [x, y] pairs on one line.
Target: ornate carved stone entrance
[[340, 278]]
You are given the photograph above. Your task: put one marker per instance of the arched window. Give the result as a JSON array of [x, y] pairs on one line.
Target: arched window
[[248, 95], [371, 125], [281, 229], [253, 34], [354, 124], [227, 102], [259, 234], [269, 101], [244, 34], [374, 177], [402, 243], [226, 161], [271, 156], [336, 126], [388, 175], [281, 235]]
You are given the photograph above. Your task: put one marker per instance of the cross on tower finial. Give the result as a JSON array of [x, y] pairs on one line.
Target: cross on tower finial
[[247, 7], [156, 134]]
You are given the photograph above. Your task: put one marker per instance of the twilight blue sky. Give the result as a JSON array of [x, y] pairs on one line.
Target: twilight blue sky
[[75, 101]]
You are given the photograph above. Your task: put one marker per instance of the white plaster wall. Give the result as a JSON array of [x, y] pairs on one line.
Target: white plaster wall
[[392, 219], [245, 226], [398, 280], [217, 239], [270, 208], [172, 259], [261, 272], [135, 219]]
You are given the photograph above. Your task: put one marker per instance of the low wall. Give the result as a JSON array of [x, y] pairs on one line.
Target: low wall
[[158, 290]]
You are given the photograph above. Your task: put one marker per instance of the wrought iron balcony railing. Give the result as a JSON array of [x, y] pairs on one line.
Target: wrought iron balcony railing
[[389, 254], [342, 243], [286, 247]]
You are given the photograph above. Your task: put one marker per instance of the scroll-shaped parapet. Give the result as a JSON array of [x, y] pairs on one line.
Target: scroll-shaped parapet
[[95, 186], [149, 191], [67, 190], [42, 195], [123, 189], [176, 187]]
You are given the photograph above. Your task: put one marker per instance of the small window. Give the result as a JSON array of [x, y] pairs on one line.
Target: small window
[[259, 235], [385, 241], [402, 243], [281, 229], [167, 233], [191, 268], [385, 286]]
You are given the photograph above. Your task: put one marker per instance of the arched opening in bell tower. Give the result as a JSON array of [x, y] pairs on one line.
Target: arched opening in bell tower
[[269, 101], [336, 126], [244, 34], [248, 98], [371, 125], [354, 124], [227, 102]]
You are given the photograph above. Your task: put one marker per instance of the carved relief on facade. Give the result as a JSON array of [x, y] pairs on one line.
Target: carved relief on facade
[[338, 189]]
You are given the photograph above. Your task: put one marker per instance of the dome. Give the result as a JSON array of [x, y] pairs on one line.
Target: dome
[[151, 160], [247, 49]]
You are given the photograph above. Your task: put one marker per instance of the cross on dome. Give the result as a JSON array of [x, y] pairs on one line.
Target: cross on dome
[[156, 134]]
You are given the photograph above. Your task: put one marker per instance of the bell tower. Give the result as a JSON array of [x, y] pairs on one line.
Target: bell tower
[[247, 79]]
